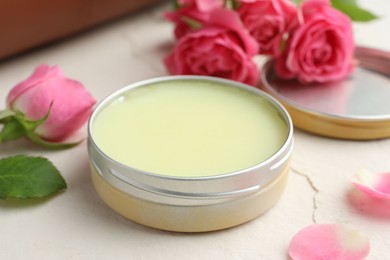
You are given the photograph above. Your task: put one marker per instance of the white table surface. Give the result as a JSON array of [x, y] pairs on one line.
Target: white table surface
[[78, 225]]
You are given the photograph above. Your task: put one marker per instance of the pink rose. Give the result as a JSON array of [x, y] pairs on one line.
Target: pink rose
[[202, 5], [267, 21], [223, 48], [197, 11], [321, 48], [71, 103]]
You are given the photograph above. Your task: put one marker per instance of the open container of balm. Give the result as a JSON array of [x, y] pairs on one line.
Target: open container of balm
[[189, 153]]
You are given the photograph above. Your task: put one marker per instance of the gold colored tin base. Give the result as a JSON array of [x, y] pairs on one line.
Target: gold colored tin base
[[191, 218], [338, 128]]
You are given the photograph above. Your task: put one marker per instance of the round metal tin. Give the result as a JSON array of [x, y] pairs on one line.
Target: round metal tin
[[190, 204], [355, 108]]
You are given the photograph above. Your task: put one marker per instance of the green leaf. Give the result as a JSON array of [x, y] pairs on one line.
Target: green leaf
[[351, 2], [356, 13], [12, 130], [25, 177]]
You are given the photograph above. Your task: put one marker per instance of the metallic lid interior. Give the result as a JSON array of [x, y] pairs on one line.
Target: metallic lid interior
[[355, 108]]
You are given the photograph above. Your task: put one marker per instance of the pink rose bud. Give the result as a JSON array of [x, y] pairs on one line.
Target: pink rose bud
[[268, 21], [71, 104], [321, 48]]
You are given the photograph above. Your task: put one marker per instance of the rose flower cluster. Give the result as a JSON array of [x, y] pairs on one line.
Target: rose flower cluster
[[312, 42]]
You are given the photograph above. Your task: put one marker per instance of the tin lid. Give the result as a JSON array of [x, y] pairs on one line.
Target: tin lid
[[355, 108]]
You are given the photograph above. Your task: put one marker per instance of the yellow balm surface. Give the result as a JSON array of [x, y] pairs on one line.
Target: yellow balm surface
[[189, 129]]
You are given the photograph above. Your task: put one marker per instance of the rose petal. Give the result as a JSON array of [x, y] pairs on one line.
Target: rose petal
[[40, 74], [374, 185], [329, 241], [231, 20], [267, 21], [209, 5]]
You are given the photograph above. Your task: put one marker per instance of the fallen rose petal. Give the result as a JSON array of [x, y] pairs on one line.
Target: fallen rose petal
[[329, 241], [368, 206], [374, 185]]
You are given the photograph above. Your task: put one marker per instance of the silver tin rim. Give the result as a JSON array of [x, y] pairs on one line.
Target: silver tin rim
[[189, 190]]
